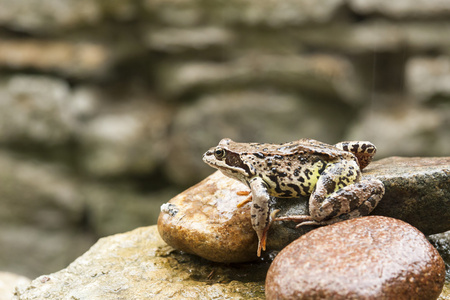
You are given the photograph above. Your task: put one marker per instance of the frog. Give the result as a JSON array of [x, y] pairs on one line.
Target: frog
[[330, 175]]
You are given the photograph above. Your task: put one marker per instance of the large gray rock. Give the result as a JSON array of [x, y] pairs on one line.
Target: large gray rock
[[139, 265], [417, 191]]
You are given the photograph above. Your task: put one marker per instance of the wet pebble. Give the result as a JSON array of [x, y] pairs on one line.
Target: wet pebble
[[366, 258]]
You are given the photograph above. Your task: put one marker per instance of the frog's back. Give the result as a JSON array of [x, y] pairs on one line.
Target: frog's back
[[291, 169], [299, 147]]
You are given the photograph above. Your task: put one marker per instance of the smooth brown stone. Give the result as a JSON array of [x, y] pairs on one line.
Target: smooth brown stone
[[205, 220], [366, 258]]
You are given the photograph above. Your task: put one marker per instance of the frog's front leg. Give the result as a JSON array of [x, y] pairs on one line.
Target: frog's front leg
[[260, 211]]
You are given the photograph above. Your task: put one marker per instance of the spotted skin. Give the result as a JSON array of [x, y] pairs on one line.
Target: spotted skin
[[329, 175], [364, 151]]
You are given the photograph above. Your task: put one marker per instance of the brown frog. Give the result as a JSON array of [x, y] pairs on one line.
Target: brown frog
[[330, 174]]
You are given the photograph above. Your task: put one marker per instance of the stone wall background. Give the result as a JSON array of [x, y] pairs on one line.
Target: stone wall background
[[107, 106]]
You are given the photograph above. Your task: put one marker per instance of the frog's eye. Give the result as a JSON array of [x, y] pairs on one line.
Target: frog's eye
[[219, 153]]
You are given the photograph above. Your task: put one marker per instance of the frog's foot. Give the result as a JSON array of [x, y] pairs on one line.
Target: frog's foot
[[263, 239], [262, 243]]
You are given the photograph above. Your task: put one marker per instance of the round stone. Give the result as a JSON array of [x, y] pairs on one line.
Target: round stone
[[366, 258], [205, 220]]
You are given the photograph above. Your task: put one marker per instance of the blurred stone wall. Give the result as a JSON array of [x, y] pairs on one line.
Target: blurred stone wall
[[106, 106]]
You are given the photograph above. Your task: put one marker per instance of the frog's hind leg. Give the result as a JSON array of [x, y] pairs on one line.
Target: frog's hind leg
[[339, 196], [352, 201], [346, 199]]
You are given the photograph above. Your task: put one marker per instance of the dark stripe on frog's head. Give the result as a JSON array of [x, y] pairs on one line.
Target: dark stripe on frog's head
[[233, 160]]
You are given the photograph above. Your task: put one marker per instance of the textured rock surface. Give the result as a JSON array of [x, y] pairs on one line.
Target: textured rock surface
[[441, 242], [372, 258], [8, 281], [417, 191], [131, 93], [139, 265], [204, 220]]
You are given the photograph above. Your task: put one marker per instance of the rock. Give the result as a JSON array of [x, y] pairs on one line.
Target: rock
[[32, 109], [243, 116], [422, 131], [40, 110], [325, 75], [48, 217], [114, 209], [79, 59], [371, 257], [402, 8], [38, 194], [32, 251], [417, 191], [49, 16], [8, 281], [428, 77], [378, 35], [139, 265], [445, 292], [125, 138], [441, 242], [238, 12], [204, 220], [41, 211], [176, 40]]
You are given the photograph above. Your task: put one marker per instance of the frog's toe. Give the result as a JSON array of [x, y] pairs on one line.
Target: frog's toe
[[313, 223], [262, 243], [295, 218]]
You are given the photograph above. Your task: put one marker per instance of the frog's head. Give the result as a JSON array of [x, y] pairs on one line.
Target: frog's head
[[226, 157]]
